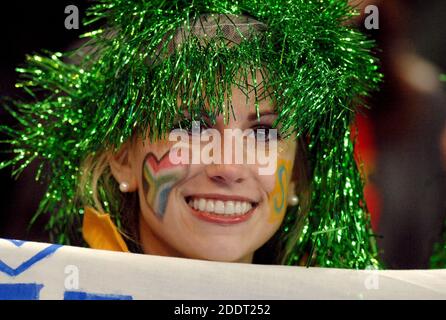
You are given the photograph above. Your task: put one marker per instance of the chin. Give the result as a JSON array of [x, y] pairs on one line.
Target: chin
[[225, 258], [223, 253]]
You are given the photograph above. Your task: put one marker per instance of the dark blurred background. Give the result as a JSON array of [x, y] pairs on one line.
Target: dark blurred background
[[27, 27], [399, 138]]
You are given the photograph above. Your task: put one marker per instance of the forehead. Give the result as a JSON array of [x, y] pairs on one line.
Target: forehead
[[246, 97], [244, 100]]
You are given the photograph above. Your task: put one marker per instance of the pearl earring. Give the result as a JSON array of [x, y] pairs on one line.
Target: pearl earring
[[293, 200], [124, 187]]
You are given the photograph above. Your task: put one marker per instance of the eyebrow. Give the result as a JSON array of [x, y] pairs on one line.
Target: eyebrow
[[203, 115], [253, 116]]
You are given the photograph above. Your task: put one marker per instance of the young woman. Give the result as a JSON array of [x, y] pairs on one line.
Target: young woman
[[105, 127]]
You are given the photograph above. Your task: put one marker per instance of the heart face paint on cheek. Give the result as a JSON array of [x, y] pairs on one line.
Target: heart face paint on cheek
[[278, 197], [159, 177]]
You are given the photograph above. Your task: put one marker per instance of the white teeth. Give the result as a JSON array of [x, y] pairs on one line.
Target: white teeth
[[238, 208], [230, 208], [219, 207], [210, 206], [196, 204], [201, 204]]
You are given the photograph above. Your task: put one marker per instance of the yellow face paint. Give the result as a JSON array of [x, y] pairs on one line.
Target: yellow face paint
[[278, 197]]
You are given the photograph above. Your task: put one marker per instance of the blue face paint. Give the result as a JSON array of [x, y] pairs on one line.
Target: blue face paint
[[280, 173]]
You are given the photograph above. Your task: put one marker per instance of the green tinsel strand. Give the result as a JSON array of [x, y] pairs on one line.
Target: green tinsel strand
[[438, 258], [128, 79]]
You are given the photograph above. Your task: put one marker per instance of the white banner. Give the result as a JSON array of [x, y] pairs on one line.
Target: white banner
[[30, 270]]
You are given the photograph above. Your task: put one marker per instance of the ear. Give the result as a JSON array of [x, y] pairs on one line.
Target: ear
[[122, 166]]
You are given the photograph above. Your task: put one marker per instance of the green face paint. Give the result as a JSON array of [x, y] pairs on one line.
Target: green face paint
[[159, 177]]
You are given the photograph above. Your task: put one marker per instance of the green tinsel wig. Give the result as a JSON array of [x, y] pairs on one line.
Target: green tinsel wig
[[317, 69]]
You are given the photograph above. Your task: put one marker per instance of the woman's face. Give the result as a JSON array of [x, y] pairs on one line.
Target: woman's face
[[221, 212]]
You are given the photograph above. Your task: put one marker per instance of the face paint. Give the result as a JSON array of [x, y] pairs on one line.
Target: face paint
[[159, 177], [278, 197]]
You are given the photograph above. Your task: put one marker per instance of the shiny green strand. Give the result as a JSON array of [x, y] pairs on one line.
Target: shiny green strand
[[438, 258]]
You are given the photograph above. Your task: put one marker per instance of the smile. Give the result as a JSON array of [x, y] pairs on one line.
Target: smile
[[221, 209]]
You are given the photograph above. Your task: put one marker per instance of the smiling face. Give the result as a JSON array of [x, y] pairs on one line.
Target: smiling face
[[221, 212]]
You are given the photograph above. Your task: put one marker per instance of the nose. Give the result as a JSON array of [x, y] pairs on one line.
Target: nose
[[226, 174]]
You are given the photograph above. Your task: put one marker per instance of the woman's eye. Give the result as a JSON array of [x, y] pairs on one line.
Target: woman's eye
[[184, 124], [265, 133], [191, 127]]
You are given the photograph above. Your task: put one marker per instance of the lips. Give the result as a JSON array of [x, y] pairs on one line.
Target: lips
[[221, 209]]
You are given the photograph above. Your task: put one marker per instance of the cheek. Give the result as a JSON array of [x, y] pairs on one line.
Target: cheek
[[278, 196], [159, 176]]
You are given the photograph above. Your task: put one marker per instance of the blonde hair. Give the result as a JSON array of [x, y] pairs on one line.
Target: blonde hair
[[99, 189]]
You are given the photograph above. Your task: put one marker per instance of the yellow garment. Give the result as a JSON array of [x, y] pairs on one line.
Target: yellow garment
[[100, 232]]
